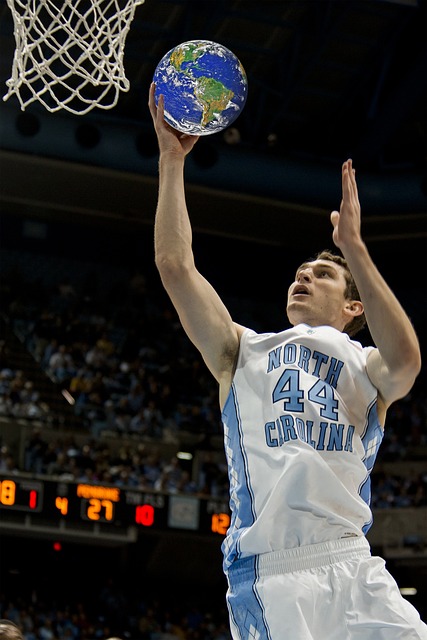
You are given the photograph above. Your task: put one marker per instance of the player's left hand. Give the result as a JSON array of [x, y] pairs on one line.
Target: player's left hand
[[346, 221]]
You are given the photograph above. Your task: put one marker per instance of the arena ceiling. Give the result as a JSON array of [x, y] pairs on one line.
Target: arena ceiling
[[327, 80]]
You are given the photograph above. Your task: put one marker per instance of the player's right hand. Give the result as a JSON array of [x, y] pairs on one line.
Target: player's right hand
[[170, 140]]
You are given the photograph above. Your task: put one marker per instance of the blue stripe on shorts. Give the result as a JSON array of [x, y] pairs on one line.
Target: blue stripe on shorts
[[245, 607]]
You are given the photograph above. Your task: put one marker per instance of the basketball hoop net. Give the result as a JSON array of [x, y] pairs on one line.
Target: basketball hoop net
[[69, 53]]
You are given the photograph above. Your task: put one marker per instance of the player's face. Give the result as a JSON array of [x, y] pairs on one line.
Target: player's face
[[317, 296]]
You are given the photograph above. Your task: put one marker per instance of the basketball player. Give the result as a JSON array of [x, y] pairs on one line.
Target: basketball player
[[303, 413]]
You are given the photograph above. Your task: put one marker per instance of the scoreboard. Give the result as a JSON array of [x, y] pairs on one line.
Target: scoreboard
[[110, 506]]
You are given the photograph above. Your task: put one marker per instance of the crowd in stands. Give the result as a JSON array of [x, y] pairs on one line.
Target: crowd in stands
[[138, 466], [125, 363], [114, 613], [18, 396]]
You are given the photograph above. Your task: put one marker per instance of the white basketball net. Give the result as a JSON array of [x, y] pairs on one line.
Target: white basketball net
[[69, 53]]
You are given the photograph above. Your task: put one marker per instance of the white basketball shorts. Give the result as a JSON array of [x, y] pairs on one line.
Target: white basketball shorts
[[328, 591]]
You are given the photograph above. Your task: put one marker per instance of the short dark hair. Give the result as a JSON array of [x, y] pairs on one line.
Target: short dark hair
[[351, 291]]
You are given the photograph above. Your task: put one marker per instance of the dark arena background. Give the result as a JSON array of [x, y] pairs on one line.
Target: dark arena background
[[113, 494]]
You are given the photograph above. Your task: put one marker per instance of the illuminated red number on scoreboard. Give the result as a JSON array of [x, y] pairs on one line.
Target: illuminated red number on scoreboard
[[22, 494], [220, 523], [32, 502], [144, 514]]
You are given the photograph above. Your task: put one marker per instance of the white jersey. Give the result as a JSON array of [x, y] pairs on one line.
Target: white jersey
[[301, 435]]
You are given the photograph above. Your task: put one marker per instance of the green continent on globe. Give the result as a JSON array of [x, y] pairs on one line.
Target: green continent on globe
[[183, 54], [213, 96], [204, 87]]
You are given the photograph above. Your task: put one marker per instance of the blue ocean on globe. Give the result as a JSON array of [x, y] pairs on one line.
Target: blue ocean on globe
[[204, 85]]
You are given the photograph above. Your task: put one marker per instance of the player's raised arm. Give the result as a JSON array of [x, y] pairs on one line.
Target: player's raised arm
[[203, 315], [395, 365]]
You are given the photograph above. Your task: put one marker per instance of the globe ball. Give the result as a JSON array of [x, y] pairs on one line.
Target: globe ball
[[204, 86]]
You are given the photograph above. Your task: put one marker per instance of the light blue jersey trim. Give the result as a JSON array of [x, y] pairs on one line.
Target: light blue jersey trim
[[241, 493], [371, 441]]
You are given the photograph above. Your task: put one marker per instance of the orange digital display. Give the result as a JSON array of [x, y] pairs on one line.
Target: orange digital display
[[96, 509], [50, 502], [8, 492], [61, 504], [98, 502], [220, 523], [25, 495]]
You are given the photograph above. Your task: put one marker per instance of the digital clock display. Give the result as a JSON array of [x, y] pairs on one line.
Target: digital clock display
[[111, 506], [26, 495]]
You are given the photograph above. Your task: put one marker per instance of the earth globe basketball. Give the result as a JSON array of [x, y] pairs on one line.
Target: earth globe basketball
[[204, 85]]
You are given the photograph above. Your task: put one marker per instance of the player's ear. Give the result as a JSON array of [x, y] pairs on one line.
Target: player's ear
[[353, 308]]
